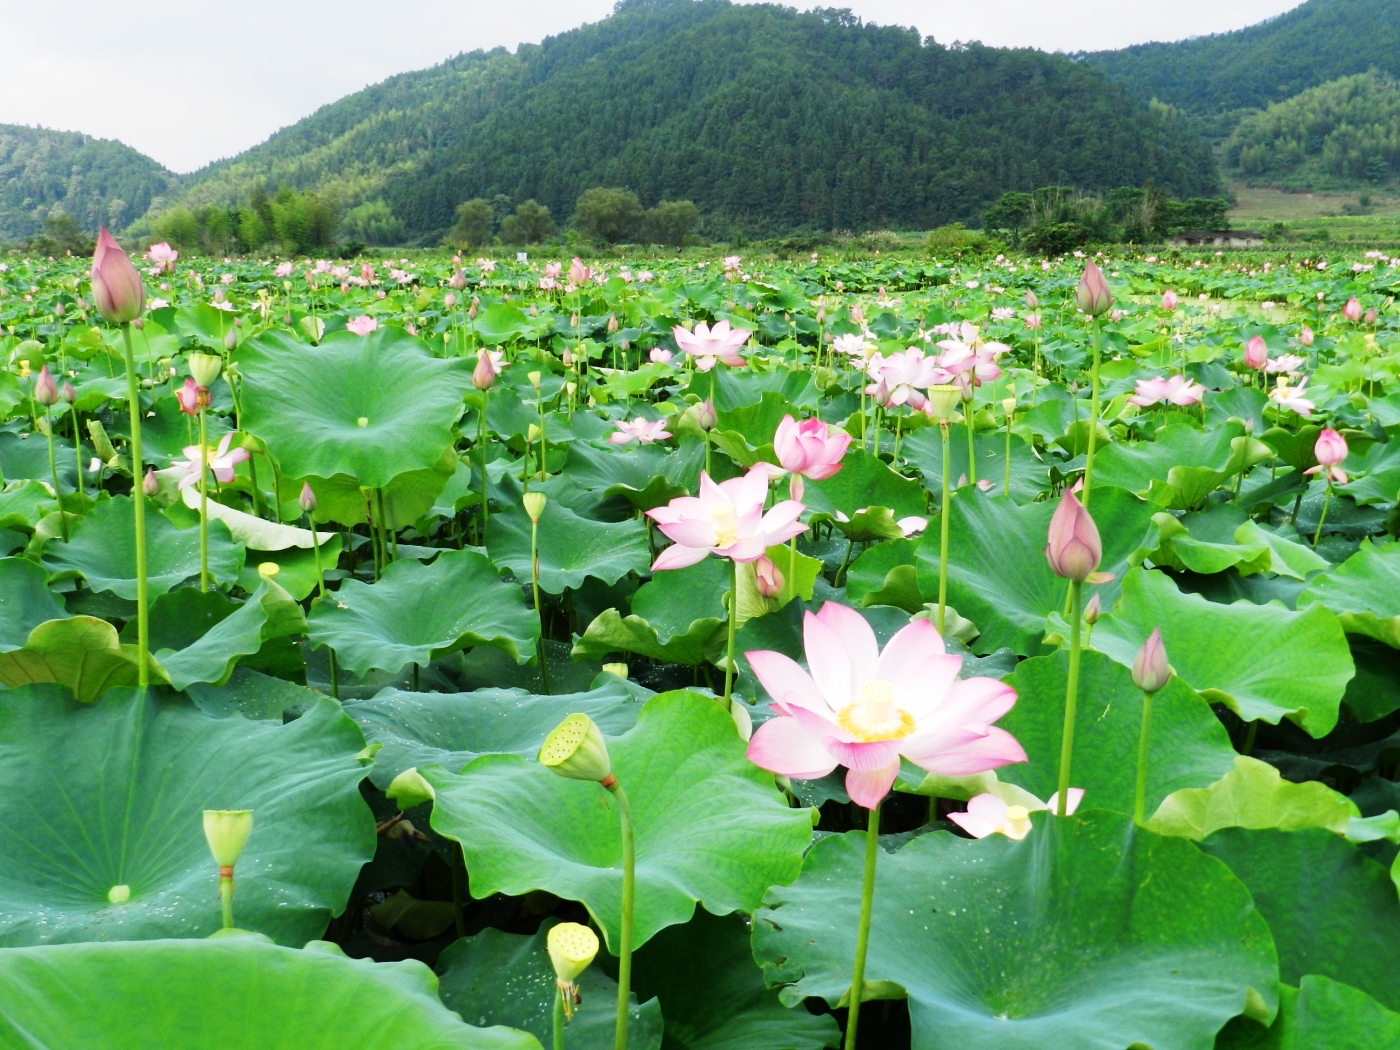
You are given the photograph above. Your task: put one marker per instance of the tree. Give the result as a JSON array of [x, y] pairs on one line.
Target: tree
[[671, 222], [530, 224], [474, 222], [1012, 213], [372, 222], [609, 215]]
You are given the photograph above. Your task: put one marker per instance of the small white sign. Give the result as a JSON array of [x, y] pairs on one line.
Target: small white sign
[[522, 256]]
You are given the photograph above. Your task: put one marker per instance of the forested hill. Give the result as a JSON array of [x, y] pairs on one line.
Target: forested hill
[[91, 180], [766, 118], [1317, 42]]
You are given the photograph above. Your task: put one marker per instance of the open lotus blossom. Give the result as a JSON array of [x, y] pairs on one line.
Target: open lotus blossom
[[904, 377], [912, 525], [969, 366], [1003, 313], [809, 449], [866, 709], [660, 355], [854, 345], [1331, 452], [708, 345], [361, 325], [989, 815], [1290, 363], [644, 430], [578, 273], [220, 461], [1175, 390], [1291, 397], [283, 270], [163, 256], [727, 519]]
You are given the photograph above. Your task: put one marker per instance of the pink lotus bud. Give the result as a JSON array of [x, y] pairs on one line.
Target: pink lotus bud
[[1256, 353], [472, 312], [567, 357], [484, 375], [307, 499], [1306, 336], [188, 397], [1093, 294], [116, 286], [612, 323], [1151, 672], [769, 578], [705, 417], [67, 393], [578, 273], [1031, 301], [149, 485], [59, 310], [45, 389], [1331, 448], [1093, 611], [449, 301], [1169, 301], [857, 315], [1073, 548], [1352, 310], [1371, 315], [458, 280]]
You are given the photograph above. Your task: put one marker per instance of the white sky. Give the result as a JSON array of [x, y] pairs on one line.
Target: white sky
[[189, 81]]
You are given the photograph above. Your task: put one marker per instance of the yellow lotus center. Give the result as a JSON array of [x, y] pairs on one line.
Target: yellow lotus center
[[1014, 813], [875, 715], [725, 523]]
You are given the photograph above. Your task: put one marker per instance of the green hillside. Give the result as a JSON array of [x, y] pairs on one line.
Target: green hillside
[[766, 118], [93, 181]]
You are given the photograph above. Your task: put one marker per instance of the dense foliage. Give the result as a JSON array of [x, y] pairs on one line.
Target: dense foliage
[[1055, 220]]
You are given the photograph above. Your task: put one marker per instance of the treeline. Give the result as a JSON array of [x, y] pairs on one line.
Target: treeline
[[606, 215], [1347, 131], [1057, 219], [296, 222]]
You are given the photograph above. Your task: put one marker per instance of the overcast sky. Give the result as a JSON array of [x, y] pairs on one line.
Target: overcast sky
[[189, 81]]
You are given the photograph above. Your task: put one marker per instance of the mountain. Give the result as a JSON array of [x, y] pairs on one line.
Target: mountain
[[1317, 42], [93, 181], [768, 119]]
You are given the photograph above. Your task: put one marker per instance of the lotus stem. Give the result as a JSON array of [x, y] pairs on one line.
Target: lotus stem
[[1326, 500], [1094, 413], [539, 609], [867, 902], [1140, 795], [943, 535], [226, 895], [77, 452], [1007, 487], [733, 627], [629, 890], [138, 494], [481, 440], [558, 1018], [1076, 604], [53, 470], [971, 445], [203, 503]]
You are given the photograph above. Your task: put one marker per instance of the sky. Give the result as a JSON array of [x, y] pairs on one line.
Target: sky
[[189, 81]]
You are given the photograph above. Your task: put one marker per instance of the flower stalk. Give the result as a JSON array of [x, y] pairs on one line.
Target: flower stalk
[[867, 904], [138, 495]]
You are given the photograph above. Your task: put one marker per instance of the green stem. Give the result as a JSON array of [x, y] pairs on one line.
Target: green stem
[[53, 470], [1009, 418], [629, 890], [867, 901], [877, 432], [1071, 692], [539, 609], [78, 454], [1327, 499], [203, 503], [1249, 737], [898, 427], [138, 492], [226, 896], [836, 580], [707, 452], [481, 440], [1140, 796], [971, 445], [943, 536], [459, 889], [558, 1018], [1093, 416], [733, 627]]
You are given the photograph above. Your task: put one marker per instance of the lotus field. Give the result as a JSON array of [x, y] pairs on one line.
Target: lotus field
[[897, 652]]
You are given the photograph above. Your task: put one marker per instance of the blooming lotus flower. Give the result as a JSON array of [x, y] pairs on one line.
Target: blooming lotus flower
[[1331, 451], [708, 345], [643, 430], [1256, 353], [578, 273], [912, 525], [362, 325], [969, 364], [1033, 322], [1002, 313], [1169, 301], [1176, 390], [905, 376], [220, 461], [854, 345], [1352, 310], [486, 265], [163, 256], [1286, 396], [1290, 363], [116, 286], [726, 519], [989, 815], [190, 398], [660, 355], [732, 263], [283, 270], [553, 270], [809, 449], [865, 709]]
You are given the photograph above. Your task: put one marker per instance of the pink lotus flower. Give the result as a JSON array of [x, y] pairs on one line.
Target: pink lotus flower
[[1033, 322], [486, 265], [116, 286], [726, 519], [458, 280], [1291, 363], [1093, 295], [708, 345], [1306, 336], [643, 430], [912, 525], [1331, 451], [220, 461], [548, 284], [362, 325], [578, 273], [553, 269], [1352, 310], [163, 256], [1256, 353], [732, 263], [488, 367], [1169, 301], [283, 270], [1003, 313], [768, 578], [809, 449], [1151, 672], [45, 390], [904, 377], [865, 709], [989, 815], [1176, 390], [189, 398], [1073, 547], [1291, 397], [969, 365], [661, 356]]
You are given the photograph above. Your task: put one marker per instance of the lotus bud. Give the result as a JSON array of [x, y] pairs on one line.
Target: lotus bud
[[485, 372], [612, 324], [66, 393], [205, 368], [1352, 310], [1256, 354], [573, 321], [449, 301], [1371, 315], [1073, 548], [458, 280], [227, 831], [307, 499], [769, 578], [1331, 448], [1093, 295], [116, 286], [567, 357], [409, 789], [1306, 336], [1031, 301], [575, 749], [1169, 301], [705, 416], [45, 389], [471, 311], [101, 444], [59, 310], [1093, 610], [139, 323], [1151, 672], [534, 505], [149, 485], [231, 337], [943, 401]]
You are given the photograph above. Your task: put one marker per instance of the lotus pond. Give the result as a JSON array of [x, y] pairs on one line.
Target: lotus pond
[[514, 653]]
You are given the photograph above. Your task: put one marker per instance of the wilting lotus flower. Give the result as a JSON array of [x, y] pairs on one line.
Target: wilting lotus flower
[[362, 325], [1151, 672], [163, 256], [1331, 451], [708, 345], [189, 398], [488, 367], [809, 449], [660, 355], [1256, 353], [644, 430], [1073, 547], [116, 286], [45, 389], [220, 461], [1286, 396], [1352, 310], [726, 519], [1290, 363], [1169, 301], [1176, 390], [865, 709], [768, 577], [1093, 295], [989, 815]]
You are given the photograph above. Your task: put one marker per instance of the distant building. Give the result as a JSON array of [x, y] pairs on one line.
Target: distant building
[[1218, 239]]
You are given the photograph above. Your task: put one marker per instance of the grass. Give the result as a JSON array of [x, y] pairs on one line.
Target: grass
[[1331, 216]]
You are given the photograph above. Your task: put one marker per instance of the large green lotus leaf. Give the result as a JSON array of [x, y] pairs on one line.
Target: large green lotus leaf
[[199, 636], [1263, 661], [885, 574], [1291, 558], [372, 407], [864, 481], [405, 499], [230, 993], [258, 533], [1364, 592], [500, 323], [1328, 1015], [1201, 460], [1252, 795], [417, 613], [295, 567], [1205, 543], [23, 503], [1088, 933], [712, 992], [27, 457], [1333, 910], [710, 826], [571, 548], [647, 476], [1029, 476], [997, 573], [25, 601], [1375, 473], [111, 794], [103, 551], [674, 617], [451, 729], [80, 652], [1188, 746], [498, 978]]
